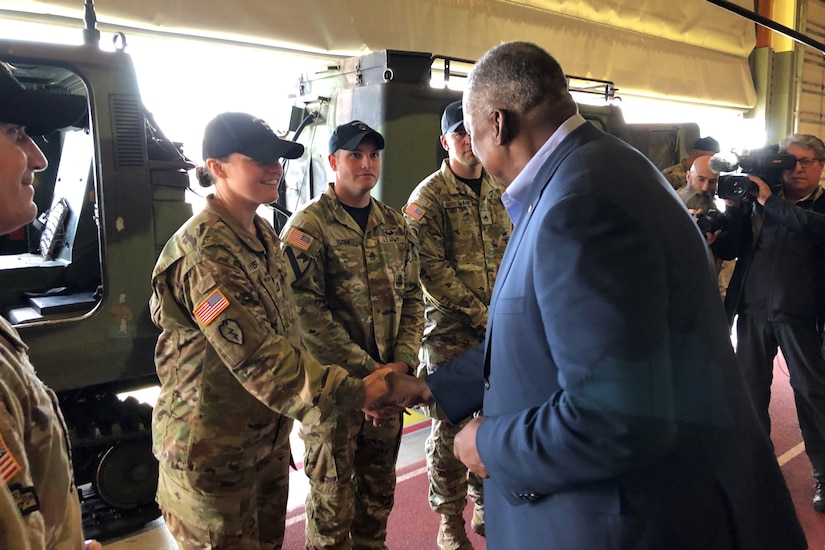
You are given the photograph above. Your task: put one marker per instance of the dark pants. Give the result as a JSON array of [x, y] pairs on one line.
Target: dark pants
[[801, 345]]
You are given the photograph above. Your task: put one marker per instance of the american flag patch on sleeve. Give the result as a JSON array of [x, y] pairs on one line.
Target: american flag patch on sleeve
[[298, 238], [8, 465], [414, 211], [211, 307]]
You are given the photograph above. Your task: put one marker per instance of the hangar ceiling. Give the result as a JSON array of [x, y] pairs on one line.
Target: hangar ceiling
[[689, 50]]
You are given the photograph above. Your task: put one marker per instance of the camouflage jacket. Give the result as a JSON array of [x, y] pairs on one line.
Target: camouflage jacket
[[462, 238], [35, 461], [676, 175], [230, 355], [358, 291]]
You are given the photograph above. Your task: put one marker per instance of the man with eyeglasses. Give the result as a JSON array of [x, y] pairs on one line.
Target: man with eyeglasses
[[778, 291]]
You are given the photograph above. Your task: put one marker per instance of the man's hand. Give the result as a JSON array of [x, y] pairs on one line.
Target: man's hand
[[710, 238], [375, 388], [464, 447], [403, 391], [764, 191]]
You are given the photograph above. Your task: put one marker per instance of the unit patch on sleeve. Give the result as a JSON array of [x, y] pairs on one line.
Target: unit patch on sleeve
[[414, 211], [211, 307], [25, 498], [8, 464], [298, 238], [231, 331]]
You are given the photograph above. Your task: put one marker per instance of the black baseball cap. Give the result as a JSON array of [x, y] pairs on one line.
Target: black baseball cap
[[452, 118], [706, 144], [350, 135], [39, 111], [242, 133]]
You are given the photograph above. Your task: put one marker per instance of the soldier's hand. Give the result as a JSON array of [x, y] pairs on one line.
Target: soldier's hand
[[375, 386], [378, 417], [399, 367], [93, 545]]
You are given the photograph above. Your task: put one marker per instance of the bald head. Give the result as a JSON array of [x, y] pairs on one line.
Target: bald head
[[516, 97], [701, 179]]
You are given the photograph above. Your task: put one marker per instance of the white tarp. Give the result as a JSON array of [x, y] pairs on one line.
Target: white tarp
[[689, 49]]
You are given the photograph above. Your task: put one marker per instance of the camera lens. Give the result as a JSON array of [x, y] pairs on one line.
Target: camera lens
[[733, 186]]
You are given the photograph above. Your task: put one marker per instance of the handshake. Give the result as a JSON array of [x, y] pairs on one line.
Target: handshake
[[388, 392]]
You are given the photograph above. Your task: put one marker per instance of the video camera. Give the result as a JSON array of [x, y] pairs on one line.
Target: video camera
[[767, 163]]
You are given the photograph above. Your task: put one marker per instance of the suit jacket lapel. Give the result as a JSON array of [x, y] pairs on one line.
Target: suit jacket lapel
[[581, 135]]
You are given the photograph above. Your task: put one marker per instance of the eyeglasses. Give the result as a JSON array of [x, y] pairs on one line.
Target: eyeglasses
[[806, 162]]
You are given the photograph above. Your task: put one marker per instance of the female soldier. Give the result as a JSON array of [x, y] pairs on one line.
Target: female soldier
[[233, 371]]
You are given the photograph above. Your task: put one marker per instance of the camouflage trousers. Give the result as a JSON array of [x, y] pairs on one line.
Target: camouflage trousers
[[249, 513], [450, 481], [351, 468]]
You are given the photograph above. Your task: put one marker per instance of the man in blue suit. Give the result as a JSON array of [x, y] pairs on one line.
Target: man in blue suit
[[614, 412]]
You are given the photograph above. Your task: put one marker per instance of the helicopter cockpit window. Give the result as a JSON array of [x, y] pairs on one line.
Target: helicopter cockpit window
[[51, 268]]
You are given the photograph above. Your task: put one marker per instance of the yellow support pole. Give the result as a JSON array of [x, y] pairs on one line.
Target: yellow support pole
[[784, 13]]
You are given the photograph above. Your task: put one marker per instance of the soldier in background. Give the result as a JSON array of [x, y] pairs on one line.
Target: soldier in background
[[677, 174], [232, 368], [357, 284], [39, 506], [462, 228]]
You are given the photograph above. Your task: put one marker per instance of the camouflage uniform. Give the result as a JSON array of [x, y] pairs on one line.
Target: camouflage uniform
[[233, 373], [676, 175], [462, 239], [360, 302], [35, 461]]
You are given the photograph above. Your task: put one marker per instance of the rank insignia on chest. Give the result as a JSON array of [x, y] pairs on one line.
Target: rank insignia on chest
[[211, 307], [414, 211], [298, 238], [8, 465]]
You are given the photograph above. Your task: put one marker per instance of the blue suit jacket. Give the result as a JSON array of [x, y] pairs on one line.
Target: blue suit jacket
[[617, 417]]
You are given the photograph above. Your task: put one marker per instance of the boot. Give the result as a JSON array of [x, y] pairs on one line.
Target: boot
[[451, 534], [477, 521]]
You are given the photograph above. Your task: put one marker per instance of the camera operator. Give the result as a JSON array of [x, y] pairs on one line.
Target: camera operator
[[698, 196], [778, 290]]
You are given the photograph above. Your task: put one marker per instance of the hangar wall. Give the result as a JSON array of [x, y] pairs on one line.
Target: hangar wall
[[809, 99]]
